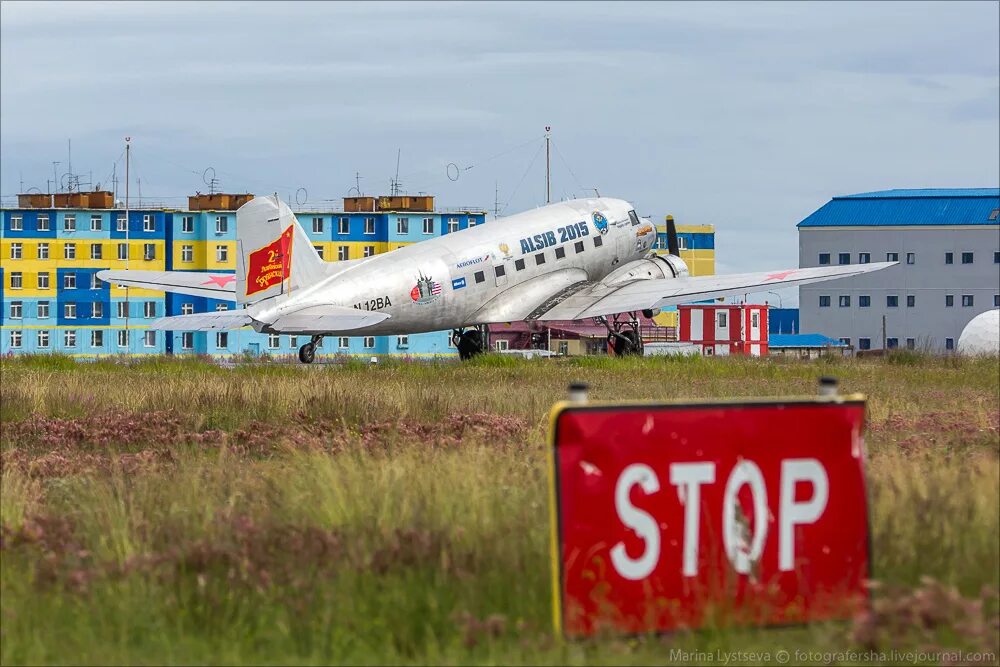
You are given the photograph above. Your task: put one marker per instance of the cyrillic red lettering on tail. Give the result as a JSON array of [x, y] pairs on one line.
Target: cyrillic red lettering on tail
[[270, 265]]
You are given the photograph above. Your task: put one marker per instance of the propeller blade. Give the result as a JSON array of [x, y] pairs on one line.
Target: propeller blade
[[672, 245]]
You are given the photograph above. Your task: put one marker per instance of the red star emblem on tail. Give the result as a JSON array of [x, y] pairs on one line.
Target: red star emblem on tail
[[221, 281], [780, 275]]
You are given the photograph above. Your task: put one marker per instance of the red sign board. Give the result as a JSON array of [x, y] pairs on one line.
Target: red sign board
[[680, 516], [269, 265]]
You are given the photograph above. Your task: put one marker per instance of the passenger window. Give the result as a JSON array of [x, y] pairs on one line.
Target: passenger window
[[579, 246], [519, 264], [560, 253], [540, 258], [480, 276], [501, 271], [598, 241]]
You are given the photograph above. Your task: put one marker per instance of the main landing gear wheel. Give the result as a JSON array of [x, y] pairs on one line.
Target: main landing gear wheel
[[470, 342], [307, 353], [624, 339]]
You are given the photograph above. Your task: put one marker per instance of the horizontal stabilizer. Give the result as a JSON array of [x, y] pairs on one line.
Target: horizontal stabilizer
[[194, 283], [323, 319], [221, 320]]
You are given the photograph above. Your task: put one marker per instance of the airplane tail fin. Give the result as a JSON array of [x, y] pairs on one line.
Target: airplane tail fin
[[274, 255]]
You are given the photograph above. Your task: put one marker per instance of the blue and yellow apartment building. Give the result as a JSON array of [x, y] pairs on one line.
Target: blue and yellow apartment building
[[697, 246], [52, 246]]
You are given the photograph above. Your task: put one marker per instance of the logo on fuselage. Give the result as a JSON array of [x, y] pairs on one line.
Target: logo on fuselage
[[426, 290], [600, 222]]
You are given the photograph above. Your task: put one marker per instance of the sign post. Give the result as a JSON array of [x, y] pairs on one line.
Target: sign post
[[683, 515]]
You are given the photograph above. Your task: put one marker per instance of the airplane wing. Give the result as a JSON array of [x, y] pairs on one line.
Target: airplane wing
[[318, 319], [203, 321], [597, 299], [194, 283]]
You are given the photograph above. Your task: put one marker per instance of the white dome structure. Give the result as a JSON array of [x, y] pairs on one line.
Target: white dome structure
[[981, 336]]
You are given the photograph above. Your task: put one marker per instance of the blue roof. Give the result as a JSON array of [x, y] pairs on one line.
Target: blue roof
[[944, 206], [803, 340]]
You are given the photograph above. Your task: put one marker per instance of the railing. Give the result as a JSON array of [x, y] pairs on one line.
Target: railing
[[654, 334]]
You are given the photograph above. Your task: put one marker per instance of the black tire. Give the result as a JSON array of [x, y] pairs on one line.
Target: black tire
[[626, 343], [307, 353], [470, 343]]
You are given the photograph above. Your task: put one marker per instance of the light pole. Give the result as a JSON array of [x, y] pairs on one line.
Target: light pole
[[777, 295]]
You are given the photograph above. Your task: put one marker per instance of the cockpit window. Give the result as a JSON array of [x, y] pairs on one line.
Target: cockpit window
[[633, 217]]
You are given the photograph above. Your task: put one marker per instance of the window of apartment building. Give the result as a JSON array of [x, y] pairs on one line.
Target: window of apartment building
[[721, 318], [472, 222], [43, 222], [16, 280], [479, 276], [97, 310], [844, 258], [369, 225], [949, 258], [892, 343], [187, 224], [519, 264], [16, 250], [319, 250], [43, 310], [911, 300], [149, 339], [892, 256], [122, 309], [949, 343], [149, 309], [864, 343], [911, 344], [892, 301], [16, 223], [15, 339], [148, 222], [122, 251], [96, 224], [344, 226], [221, 307], [95, 282], [16, 310], [42, 338], [911, 258], [148, 251], [221, 254], [221, 224], [844, 301], [996, 300], [69, 222], [97, 338], [402, 225], [187, 340], [369, 250], [120, 223], [560, 252], [682, 244], [69, 280], [43, 251], [69, 251], [343, 252], [864, 301], [824, 301], [222, 339], [949, 300], [864, 258], [96, 251], [187, 308], [369, 342], [123, 338], [343, 342], [69, 311], [968, 300], [967, 258], [43, 280], [452, 225], [69, 338], [403, 341], [428, 225], [273, 341], [598, 241], [187, 253], [317, 225], [996, 256]]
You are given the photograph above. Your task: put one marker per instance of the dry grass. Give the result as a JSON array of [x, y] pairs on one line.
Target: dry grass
[[172, 511]]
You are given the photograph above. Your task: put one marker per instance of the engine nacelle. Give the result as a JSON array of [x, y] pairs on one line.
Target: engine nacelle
[[654, 267]]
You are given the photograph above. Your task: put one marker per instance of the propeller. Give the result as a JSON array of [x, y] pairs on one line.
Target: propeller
[[672, 245]]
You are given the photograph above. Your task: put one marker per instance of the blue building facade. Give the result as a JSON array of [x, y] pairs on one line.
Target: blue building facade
[[52, 300]]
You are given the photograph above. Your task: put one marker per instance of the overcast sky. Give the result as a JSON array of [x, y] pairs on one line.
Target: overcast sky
[[745, 116]]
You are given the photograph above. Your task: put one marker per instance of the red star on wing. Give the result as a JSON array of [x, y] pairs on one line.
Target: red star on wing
[[221, 281], [780, 275]]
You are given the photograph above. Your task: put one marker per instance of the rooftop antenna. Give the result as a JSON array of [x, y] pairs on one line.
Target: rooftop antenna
[[211, 181], [395, 181], [357, 185], [69, 161], [548, 174], [128, 248], [55, 177], [496, 200]]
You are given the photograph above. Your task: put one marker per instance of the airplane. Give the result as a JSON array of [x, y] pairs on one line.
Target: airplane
[[571, 260]]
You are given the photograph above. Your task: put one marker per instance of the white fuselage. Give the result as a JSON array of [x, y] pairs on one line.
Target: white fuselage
[[502, 271]]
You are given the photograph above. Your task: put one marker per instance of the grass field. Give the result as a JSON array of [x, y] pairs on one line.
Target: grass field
[[173, 511]]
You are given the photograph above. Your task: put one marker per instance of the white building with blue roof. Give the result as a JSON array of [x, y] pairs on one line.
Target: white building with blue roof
[[947, 243]]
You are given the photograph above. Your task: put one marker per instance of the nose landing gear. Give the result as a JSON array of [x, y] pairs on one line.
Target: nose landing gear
[[307, 353], [470, 342], [624, 339]]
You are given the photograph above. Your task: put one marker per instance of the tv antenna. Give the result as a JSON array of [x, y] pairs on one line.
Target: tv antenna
[[211, 181], [301, 196], [394, 185], [356, 188], [496, 200]]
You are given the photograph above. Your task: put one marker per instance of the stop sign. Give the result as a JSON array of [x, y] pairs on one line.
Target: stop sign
[[680, 515]]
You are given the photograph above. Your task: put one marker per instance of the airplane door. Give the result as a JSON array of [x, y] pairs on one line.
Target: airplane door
[[500, 271], [622, 240]]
